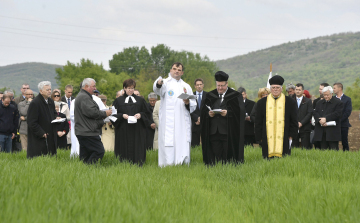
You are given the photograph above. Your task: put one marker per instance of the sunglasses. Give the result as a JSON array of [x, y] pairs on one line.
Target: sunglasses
[[57, 96]]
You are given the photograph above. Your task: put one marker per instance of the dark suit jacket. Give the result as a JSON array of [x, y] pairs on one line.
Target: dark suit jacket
[[64, 99], [196, 114], [346, 111], [332, 111], [249, 125], [304, 114]]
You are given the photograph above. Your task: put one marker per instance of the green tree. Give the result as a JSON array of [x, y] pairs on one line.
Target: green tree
[[130, 61], [354, 93], [106, 82]]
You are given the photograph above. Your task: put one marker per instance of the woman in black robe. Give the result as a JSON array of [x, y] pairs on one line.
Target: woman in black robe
[[130, 138], [62, 128]]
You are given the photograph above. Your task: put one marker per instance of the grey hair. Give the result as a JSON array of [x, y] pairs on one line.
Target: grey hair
[[290, 86], [9, 92], [87, 81], [42, 84], [328, 88], [152, 95], [57, 104]]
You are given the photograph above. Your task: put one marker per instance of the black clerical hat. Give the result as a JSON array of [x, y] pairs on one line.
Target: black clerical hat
[[221, 76], [277, 80]]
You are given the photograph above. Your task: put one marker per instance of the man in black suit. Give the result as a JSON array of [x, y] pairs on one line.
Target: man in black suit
[[304, 114], [249, 137], [222, 131], [67, 98], [326, 111], [345, 124], [195, 116]]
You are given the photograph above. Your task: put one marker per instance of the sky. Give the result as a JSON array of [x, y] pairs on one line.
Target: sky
[[55, 32]]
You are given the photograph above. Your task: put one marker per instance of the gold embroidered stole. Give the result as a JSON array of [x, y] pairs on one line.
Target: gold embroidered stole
[[275, 122]]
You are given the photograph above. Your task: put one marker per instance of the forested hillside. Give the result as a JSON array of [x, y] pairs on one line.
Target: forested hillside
[[12, 76], [310, 61]]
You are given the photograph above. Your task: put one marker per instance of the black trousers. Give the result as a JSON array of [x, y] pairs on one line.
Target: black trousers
[[344, 138], [249, 140], [328, 144], [195, 135], [305, 140], [218, 148], [91, 149]]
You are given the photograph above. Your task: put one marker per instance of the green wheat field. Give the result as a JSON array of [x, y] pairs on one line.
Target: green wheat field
[[308, 186]]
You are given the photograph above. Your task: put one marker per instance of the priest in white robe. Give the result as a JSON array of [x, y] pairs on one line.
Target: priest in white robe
[[174, 118]]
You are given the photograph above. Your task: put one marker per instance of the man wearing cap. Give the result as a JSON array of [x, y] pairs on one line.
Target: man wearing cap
[[276, 121], [174, 118], [222, 132]]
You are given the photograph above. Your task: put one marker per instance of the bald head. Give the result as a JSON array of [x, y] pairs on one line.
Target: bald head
[[29, 94]]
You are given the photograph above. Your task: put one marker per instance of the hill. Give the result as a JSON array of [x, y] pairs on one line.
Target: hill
[[310, 61], [13, 76]]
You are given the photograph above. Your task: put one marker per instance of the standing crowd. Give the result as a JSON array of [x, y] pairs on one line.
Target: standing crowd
[[223, 121]]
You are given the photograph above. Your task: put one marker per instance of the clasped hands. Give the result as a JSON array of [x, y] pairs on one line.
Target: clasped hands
[[222, 113], [61, 133], [137, 116], [322, 121]]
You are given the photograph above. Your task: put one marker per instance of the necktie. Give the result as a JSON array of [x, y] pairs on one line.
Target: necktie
[[199, 100], [222, 97], [298, 102], [69, 102]]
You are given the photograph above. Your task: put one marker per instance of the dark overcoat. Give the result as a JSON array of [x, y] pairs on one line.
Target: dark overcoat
[[39, 117], [290, 127], [332, 111], [235, 125]]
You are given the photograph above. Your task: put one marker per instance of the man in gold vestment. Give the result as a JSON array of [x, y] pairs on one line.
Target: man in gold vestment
[[276, 121]]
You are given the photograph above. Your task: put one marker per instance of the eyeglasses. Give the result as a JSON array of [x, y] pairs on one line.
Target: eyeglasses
[[29, 94], [57, 96]]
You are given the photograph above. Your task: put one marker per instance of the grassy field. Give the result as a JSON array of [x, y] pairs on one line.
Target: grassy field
[[309, 186]]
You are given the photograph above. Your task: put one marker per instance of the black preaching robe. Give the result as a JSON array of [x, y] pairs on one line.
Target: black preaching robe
[[63, 126], [235, 125], [290, 127], [149, 131], [39, 117], [130, 139]]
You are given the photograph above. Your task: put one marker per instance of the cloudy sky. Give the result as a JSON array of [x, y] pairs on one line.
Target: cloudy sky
[[59, 31]]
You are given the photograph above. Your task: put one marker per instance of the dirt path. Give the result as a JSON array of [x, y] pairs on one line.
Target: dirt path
[[354, 131]]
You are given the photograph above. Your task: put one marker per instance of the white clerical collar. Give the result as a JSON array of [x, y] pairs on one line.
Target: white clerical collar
[[132, 98]]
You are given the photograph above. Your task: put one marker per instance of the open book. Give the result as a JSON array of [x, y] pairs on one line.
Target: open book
[[187, 96], [216, 111]]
